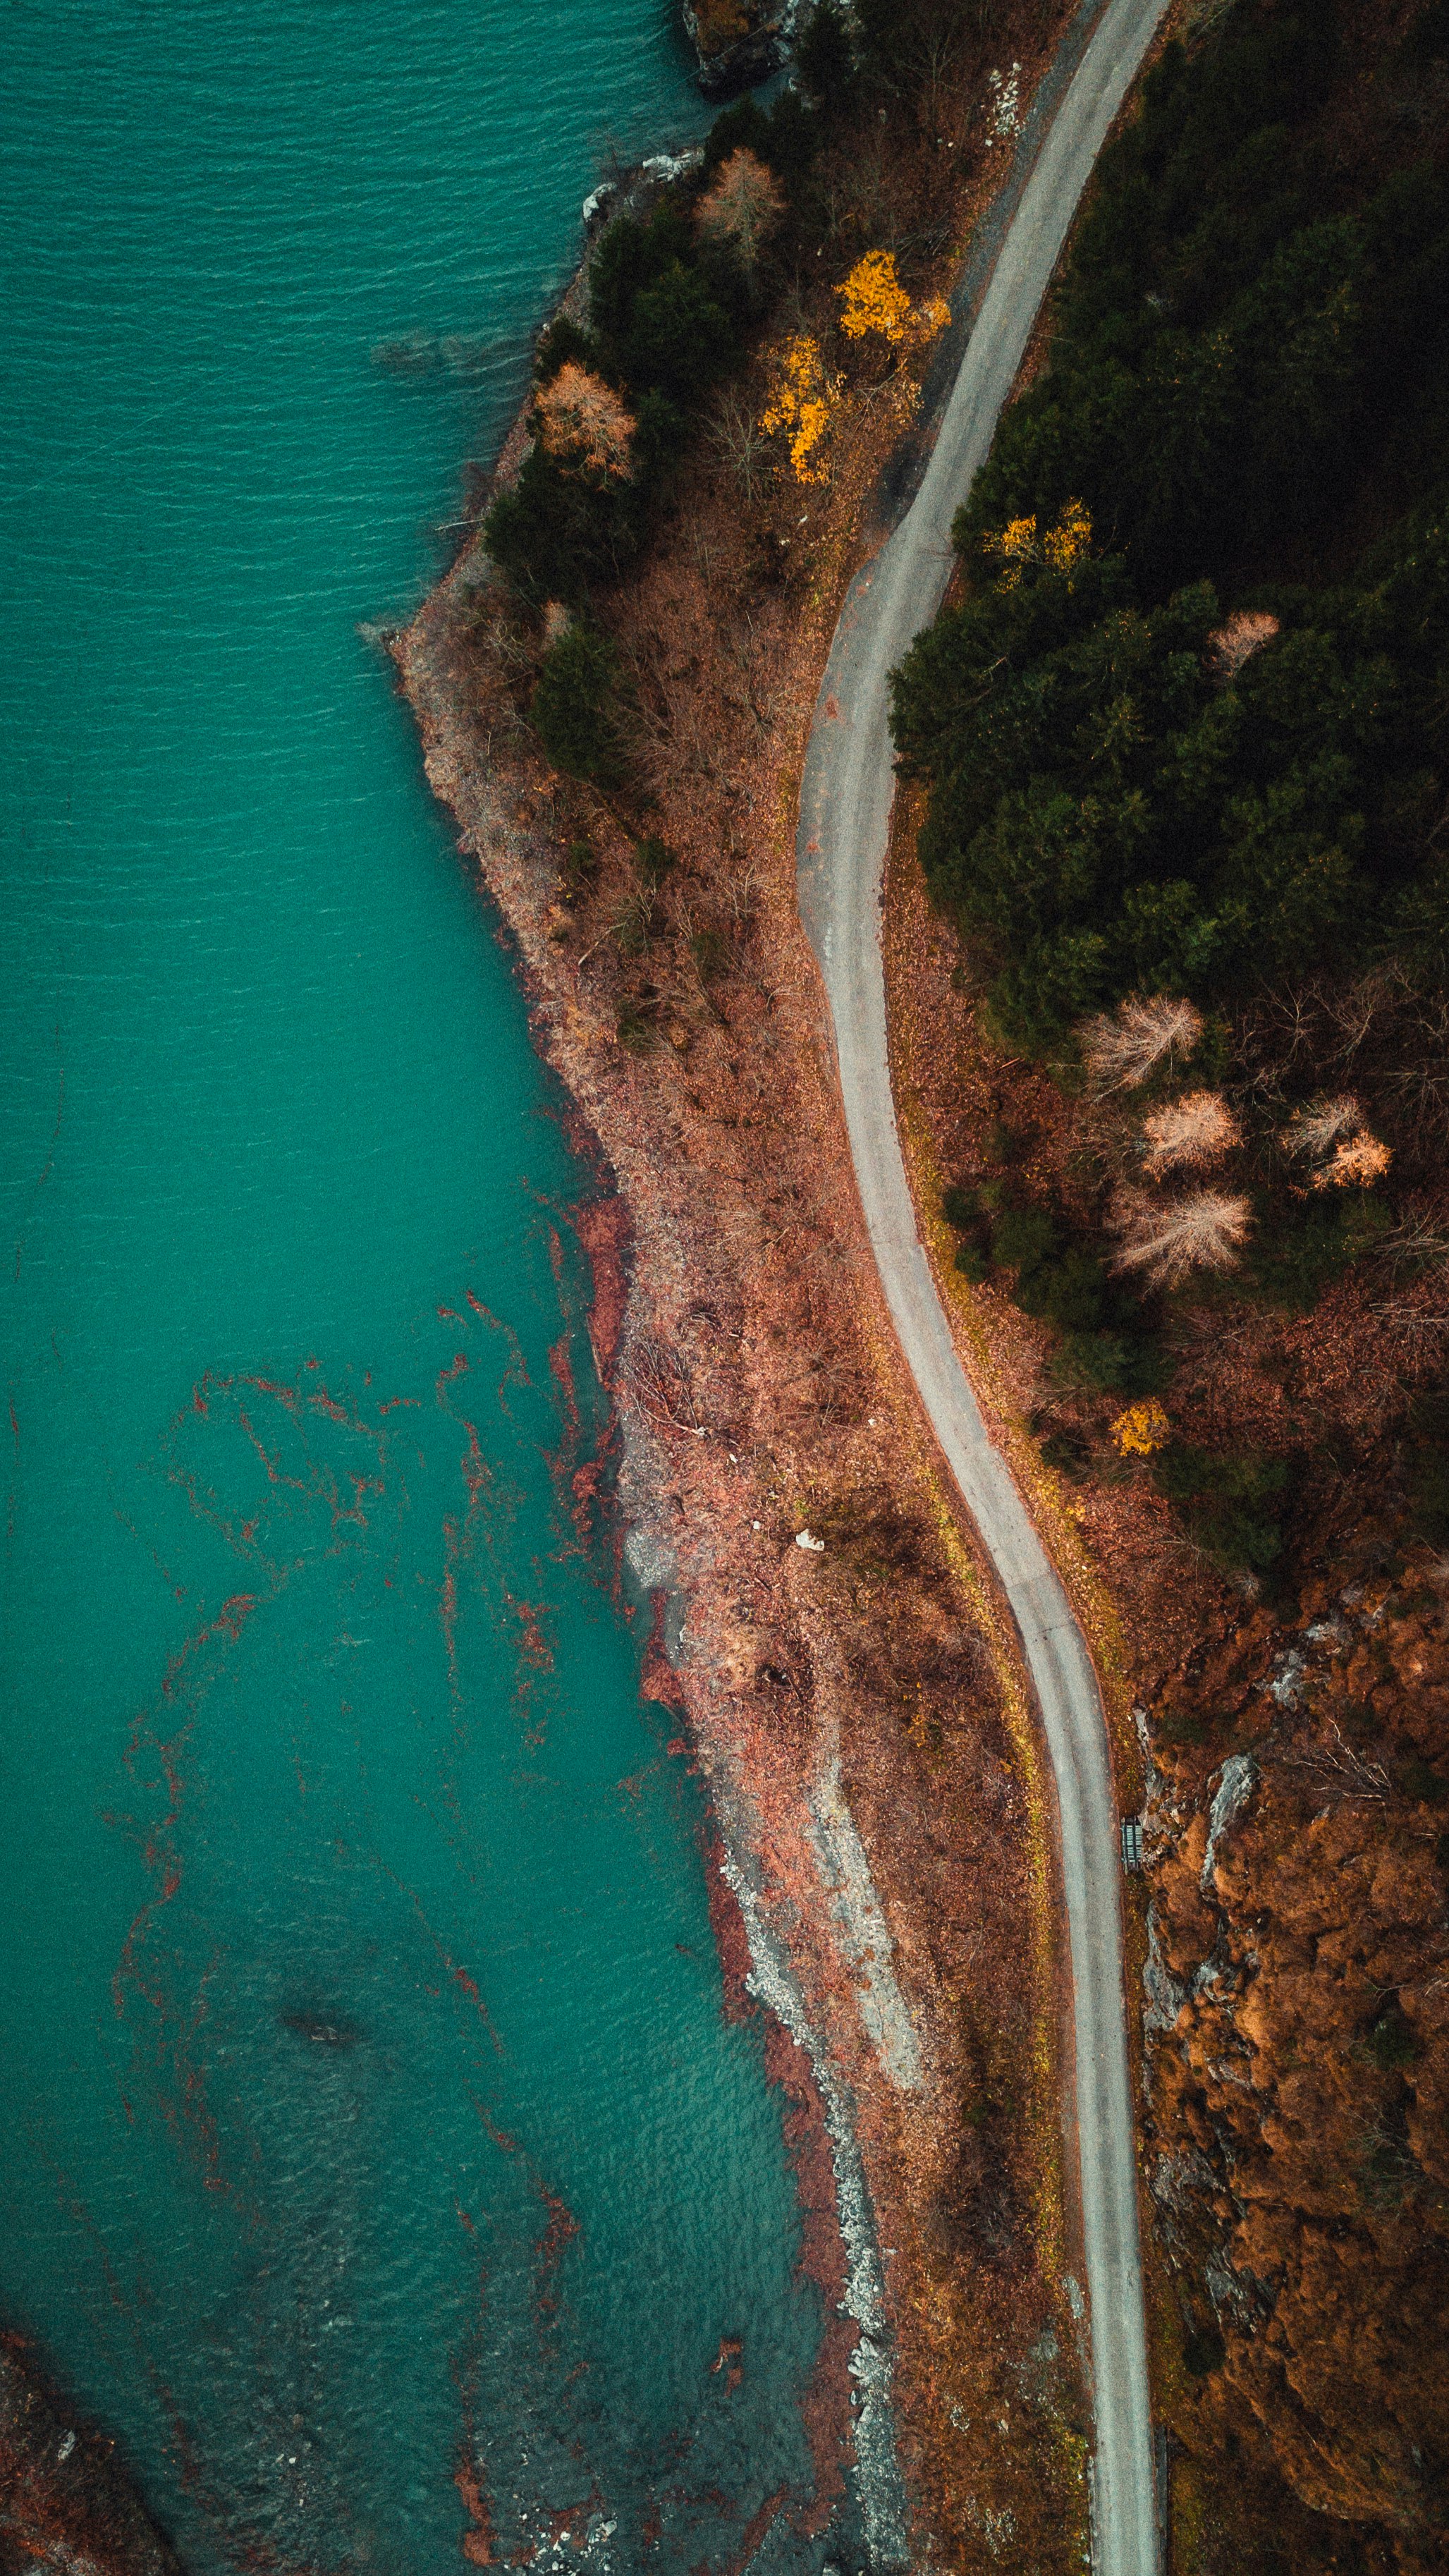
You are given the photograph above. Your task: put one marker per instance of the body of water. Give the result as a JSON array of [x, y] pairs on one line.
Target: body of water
[[380, 2161]]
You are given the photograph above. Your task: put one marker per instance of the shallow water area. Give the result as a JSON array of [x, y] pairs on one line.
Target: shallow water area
[[383, 2165]]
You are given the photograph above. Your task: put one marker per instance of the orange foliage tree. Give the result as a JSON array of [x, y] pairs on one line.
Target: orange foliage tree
[[582, 422], [742, 208], [1197, 1130], [1334, 1136]]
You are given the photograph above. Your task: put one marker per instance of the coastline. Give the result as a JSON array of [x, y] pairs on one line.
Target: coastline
[[67, 2498], [517, 875], [824, 1812]]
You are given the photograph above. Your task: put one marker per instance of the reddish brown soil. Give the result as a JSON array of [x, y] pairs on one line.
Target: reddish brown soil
[[1299, 2067]]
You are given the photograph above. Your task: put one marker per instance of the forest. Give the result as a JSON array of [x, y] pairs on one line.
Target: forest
[[1189, 725], [1183, 735]]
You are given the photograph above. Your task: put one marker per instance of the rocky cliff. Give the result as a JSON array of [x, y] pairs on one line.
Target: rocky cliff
[[1297, 2059]]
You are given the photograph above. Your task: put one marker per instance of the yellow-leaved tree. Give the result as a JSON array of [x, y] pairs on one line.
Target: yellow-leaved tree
[[806, 395], [1142, 1429], [1060, 547], [873, 300], [802, 400]]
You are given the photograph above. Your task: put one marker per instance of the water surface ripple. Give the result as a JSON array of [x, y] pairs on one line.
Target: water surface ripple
[[373, 2114]]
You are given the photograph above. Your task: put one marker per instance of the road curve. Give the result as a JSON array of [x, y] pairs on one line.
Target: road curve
[[844, 818]]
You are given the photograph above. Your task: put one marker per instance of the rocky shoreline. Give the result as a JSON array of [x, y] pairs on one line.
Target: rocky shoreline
[[850, 1685], [66, 2501], [762, 1878], [738, 43]]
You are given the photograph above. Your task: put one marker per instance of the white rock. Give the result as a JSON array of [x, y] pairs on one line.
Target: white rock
[[813, 1546], [1236, 1782], [665, 166]]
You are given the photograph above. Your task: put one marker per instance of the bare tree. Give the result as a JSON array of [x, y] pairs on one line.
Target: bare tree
[[736, 436], [1420, 1240], [1340, 1768], [1123, 1047], [1203, 1231], [1313, 1132], [1196, 1130]]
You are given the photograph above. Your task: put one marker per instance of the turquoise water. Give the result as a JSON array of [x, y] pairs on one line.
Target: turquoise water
[[371, 2107]]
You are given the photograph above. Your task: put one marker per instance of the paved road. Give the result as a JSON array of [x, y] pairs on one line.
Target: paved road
[[845, 813]]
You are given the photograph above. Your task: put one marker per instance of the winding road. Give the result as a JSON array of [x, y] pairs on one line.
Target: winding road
[[844, 819]]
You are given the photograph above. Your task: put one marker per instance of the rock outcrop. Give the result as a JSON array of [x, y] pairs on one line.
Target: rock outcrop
[[737, 43], [1297, 2059]]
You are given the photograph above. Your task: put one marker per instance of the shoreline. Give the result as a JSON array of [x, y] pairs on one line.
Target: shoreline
[[854, 2386], [845, 1958]]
